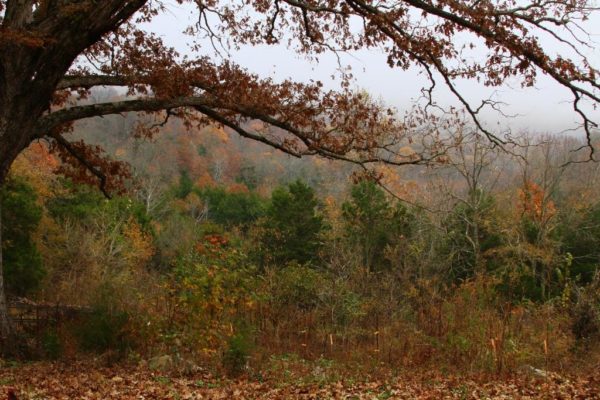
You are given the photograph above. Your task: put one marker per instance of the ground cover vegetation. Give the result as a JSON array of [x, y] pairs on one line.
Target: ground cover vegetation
[[90, 381]]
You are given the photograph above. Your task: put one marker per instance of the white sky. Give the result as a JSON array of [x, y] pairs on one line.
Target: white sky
[[545, 108]]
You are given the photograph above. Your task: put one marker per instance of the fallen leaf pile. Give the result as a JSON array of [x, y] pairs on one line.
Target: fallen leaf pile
[[86, 381]]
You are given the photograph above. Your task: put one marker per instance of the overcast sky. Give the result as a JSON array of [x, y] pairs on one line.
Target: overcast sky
[[545, 108]]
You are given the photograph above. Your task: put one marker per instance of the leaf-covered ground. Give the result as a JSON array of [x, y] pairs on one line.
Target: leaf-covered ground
[[86, 381]]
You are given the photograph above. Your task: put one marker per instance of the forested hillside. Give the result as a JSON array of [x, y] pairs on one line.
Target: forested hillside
[[225, 254]]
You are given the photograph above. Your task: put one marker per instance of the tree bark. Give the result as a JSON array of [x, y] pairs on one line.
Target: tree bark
[[5, 326]]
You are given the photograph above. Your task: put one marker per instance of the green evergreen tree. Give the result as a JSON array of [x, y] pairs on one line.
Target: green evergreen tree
[[21, 215], [185, 186], [373, 223], [78, 202], [579, 235], [292, 228], [232, 209]]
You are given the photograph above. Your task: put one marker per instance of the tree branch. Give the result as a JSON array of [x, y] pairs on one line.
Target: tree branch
[[66, 115], [88, 81], [84, 161]]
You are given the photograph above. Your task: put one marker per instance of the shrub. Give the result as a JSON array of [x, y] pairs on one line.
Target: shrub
[[297, 286], [237, 353], [586, 313], [104, 330], [215, 286], [51, 345]]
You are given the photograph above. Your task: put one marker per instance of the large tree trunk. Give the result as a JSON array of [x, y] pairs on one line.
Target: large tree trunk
[[19, 113], [23, 100], [5, 326]]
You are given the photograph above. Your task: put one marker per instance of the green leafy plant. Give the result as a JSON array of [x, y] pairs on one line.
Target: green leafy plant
[[51, 345], [237, 353], [103, 330]]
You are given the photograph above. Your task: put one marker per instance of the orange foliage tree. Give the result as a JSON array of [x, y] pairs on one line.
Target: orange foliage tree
[[534, 203]]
